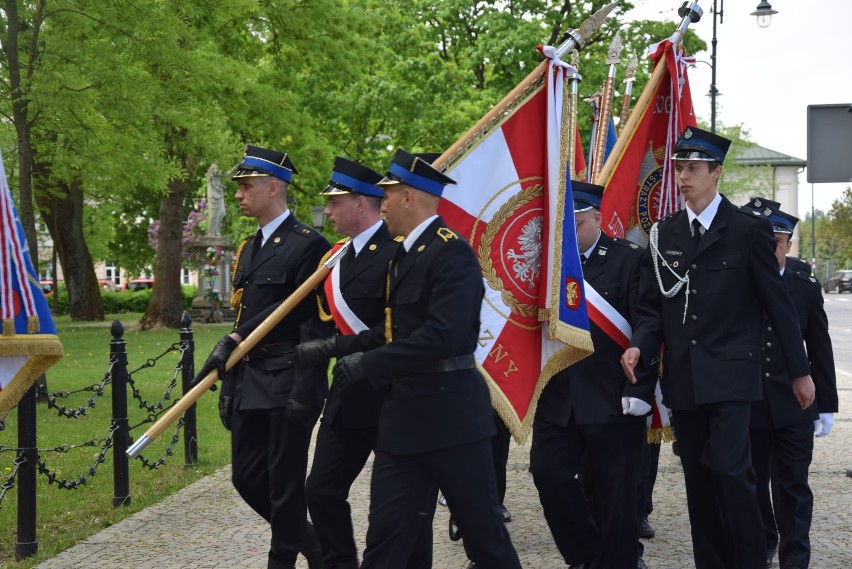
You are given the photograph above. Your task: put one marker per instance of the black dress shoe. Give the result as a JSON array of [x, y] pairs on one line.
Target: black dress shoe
[[504, 514], [577, 566], [455, 531], [472, 565], [645, 529]]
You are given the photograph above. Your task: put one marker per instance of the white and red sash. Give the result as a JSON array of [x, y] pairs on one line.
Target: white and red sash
[[346, 320], [606, 317]]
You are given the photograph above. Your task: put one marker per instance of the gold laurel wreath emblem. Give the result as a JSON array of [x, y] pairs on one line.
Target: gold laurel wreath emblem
[[514, 203]]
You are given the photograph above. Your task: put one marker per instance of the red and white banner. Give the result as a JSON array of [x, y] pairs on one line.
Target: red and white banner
[[508, 205]]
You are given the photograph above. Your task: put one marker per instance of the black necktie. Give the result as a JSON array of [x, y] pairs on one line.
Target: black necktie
[[583, 258], [256, 244], [696, 233], [349, 256]]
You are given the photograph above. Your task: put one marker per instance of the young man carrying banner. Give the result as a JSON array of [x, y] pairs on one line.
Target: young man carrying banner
[[356, 291], [589, 418], [270, 435], [707, 278], [436, 424]]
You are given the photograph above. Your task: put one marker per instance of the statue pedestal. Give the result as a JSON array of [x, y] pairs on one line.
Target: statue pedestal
[[214, 286]]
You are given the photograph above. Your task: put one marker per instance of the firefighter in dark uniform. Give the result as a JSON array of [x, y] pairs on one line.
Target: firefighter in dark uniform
[[589, 422], [707, 279], [356, 292], [782, 433], [436, 423], [270, 421]]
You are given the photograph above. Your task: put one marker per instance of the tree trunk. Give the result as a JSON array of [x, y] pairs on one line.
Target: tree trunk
[[166, 306], [62, 211], [20, 112]]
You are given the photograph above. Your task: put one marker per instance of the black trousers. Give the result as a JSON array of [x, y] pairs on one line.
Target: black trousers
[[592, 522], [269, 459], [727, 529], [783, 456], [649, 464], [404, 488], [339, 457]]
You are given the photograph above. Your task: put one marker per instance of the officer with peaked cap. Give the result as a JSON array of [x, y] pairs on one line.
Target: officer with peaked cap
[[590, 417], [435, 426], [270, 420], [782, 433], [355, 292], [708, 277]]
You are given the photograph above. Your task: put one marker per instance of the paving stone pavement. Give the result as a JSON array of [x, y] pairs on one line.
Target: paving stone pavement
[[207, 526]]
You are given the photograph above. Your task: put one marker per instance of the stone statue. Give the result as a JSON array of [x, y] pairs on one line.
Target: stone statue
[[215, 199]]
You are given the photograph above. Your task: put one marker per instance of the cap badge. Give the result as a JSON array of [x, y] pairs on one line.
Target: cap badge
[[757, 202], [767, 211], [687, 134]]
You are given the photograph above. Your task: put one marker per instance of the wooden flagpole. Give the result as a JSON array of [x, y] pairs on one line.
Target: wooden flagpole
[[286, 306]]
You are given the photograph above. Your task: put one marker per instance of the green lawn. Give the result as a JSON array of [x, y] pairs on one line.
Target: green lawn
[[67, 516]]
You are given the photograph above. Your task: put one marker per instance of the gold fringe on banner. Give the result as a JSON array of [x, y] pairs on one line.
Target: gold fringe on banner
[[660, 435], [43, 351]]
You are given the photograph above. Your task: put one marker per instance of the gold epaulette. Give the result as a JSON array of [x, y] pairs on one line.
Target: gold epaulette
[[237, 295]]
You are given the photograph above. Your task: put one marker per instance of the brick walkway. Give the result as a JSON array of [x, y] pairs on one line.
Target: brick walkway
[[206, 525]]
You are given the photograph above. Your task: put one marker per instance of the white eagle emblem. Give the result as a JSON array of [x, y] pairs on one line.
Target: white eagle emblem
[[527, 263]]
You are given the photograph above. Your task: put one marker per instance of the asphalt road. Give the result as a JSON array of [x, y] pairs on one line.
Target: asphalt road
[[838, 307]]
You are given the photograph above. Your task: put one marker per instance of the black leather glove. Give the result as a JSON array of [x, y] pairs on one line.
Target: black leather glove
[[216, 360], [348, 370], [315, 352], [226, 410], [302, 414]]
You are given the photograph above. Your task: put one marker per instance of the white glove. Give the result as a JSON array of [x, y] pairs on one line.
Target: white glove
[[634, 406], [822, 426]]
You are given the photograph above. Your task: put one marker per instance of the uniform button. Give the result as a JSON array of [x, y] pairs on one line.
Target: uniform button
[[769, 328], [768, 360], [724, 263], [693, 291], [694, 317], [693, 266], [768, 344], [694, 342], [766, 374], [606, 293]]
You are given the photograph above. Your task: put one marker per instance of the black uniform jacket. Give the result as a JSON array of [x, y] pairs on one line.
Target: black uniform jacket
[[435, 298], [713, 347], [363, 284], [287, 259], [780, 408], [593, 387]]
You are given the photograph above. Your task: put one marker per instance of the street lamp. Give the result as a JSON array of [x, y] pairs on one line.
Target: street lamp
[[318, 217], [764, 13]]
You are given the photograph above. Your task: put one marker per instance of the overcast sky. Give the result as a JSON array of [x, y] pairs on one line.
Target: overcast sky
[[767, 77]]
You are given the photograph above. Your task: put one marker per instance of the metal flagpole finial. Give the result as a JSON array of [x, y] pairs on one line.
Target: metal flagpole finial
[[576, 39], [613, 55], [630, 72]]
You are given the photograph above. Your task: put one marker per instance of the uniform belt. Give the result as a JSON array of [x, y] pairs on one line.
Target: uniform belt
[[451, 364], [269, 350]]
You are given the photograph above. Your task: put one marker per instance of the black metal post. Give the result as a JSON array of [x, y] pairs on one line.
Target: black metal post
[[813, 234], [121, 435], [713, 91], [190, 433], [27, 544]]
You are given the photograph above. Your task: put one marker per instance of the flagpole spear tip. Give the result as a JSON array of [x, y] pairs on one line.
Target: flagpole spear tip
[[576, 39], [691, 12]]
